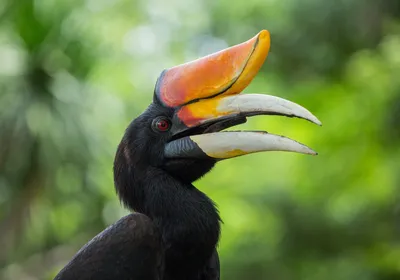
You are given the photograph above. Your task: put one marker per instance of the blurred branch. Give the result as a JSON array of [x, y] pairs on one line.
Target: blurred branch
[[11, 227]]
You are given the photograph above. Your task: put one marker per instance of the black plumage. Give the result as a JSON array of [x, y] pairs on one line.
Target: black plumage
[[176, 229]]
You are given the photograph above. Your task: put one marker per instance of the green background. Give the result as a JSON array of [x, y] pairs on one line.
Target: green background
[[74, 73]]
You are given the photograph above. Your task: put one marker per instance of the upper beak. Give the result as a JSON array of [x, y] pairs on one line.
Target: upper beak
[[205, 95]]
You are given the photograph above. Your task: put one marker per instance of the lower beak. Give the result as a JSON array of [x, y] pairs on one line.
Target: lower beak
[[221, 113], [229, 144]]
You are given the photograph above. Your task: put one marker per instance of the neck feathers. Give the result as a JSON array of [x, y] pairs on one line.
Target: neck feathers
[[187, 218]]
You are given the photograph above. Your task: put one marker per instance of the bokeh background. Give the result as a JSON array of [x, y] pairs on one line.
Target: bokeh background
[[73, 73]]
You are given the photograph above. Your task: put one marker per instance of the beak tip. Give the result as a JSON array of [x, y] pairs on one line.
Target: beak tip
[[310, 151], [263, 34], [316, 121]]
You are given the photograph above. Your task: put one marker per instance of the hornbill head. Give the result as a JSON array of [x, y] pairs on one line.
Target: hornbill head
[[181, 132]]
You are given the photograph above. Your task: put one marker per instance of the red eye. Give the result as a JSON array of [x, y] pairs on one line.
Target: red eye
[[162, 124]]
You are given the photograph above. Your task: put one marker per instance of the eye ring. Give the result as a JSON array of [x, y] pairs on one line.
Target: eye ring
[[161, 124]]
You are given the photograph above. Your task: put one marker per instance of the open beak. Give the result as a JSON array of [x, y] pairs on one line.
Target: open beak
[[205, 94]]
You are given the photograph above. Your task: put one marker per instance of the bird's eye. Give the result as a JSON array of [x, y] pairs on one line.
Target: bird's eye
[[161, 124]]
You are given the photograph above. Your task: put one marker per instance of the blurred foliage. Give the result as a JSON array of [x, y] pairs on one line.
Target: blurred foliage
[[74, 73]]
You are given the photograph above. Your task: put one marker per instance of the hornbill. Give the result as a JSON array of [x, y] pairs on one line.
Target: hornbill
[[175, 228]]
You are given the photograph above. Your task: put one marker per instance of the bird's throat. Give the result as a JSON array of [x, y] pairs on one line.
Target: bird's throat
[[187, 219]]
